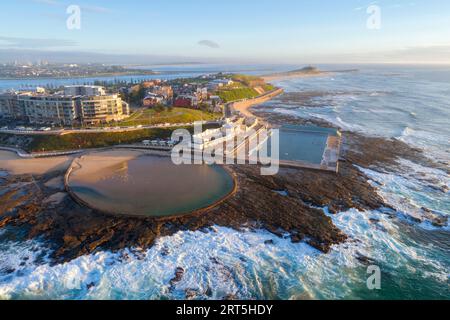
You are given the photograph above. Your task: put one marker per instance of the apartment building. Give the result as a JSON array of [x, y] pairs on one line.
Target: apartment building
[[102, 109], [64, 109], [84, 91], [49, 109]]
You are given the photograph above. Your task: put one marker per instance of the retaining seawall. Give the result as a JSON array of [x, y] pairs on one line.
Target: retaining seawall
[[244, 105]]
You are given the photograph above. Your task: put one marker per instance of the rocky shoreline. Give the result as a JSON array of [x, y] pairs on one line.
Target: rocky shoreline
[[288, 204]]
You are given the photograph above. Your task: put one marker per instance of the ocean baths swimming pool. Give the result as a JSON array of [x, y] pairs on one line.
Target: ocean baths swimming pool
[[134, 184], [303, 144]]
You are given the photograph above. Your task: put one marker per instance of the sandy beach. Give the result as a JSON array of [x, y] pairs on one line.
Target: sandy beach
[[244, 106], [16, 165], [97, 165]]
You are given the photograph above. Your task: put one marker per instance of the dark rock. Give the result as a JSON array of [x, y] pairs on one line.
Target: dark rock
[[74, 230], [90, 285], [165, 251], [191, 294], [230, 297], [179, 273], [440, 222], [208, 292], [7, 270], [366, 261]]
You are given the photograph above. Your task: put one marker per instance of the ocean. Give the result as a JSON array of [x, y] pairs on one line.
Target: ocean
[[407, 103], [169, 72]]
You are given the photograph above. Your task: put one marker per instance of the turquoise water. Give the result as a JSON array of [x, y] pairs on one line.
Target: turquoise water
[[152, 186], [301, 144]]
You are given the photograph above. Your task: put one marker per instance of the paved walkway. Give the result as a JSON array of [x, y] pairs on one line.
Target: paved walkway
[[243, 106], [101, 130], [23, 154]]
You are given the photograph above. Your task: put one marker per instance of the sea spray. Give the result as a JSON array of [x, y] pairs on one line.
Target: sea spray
[[247, 264]]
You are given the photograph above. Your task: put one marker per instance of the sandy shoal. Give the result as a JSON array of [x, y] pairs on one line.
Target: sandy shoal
[[16, 165], [98, 165]]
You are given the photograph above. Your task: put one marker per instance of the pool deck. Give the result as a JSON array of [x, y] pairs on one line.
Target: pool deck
[[330, 161], [330, 157]]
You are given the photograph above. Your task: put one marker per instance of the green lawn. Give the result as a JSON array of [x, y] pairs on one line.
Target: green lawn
[[175, 115], [39, 143], [93, 140], [247, 80], [228, 95], [268, 87], [243, 88]]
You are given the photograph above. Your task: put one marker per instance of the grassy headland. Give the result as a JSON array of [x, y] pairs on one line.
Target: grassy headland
[[168, 115], [233, 94], [45, 143], [244, 87]]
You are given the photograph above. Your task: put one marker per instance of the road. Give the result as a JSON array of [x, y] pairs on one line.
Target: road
[[102, 130]]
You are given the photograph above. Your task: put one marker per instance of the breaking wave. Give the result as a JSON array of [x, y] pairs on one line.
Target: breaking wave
[[419, 193], [224, 262], [412, 252]]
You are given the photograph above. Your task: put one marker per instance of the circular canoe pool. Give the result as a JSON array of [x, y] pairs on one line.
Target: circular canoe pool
[[132, 183]]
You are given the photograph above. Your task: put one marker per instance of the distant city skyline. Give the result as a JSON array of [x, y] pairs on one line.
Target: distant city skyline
[[267, 31]]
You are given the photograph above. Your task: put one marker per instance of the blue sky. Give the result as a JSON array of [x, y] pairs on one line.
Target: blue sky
[[290, 31]]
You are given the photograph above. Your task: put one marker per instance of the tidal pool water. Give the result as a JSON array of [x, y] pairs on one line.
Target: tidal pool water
[[149, 185]]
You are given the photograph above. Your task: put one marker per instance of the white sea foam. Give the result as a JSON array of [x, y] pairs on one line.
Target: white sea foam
[[292, 112], [414, 191], [381, 240], [231, 262], [223, 262], [337, 120], [220, 263], [430, 143]]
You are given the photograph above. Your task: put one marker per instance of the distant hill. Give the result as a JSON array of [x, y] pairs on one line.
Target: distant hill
[[298, 73], [305, 70]]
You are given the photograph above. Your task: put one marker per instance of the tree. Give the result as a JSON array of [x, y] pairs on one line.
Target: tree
[[159, 108]]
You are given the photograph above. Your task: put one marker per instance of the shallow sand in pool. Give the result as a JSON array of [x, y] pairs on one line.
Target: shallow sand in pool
[[16, 165]]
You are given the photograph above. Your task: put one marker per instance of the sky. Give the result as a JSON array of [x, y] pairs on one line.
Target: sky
[[259, 31]]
